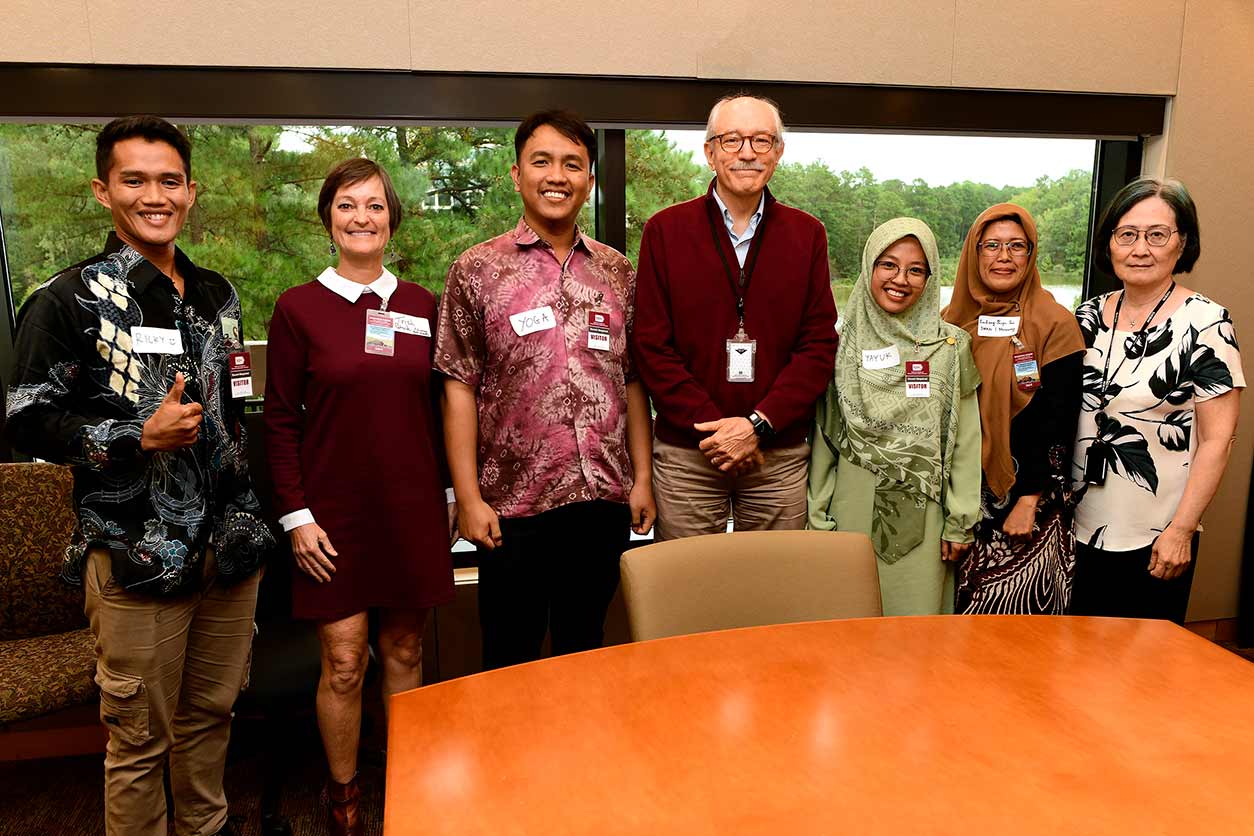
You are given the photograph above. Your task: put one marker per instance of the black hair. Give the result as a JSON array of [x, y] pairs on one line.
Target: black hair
[[1175, 195], [151, 128], [565, 123], [351, 172]]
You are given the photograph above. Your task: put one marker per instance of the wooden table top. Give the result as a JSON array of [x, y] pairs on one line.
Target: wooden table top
[[981, 725]]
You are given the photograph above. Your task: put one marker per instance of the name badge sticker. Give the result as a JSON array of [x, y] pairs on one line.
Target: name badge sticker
[[598, 331], [918, 379], [380, 335], [536, 319], [998, 326], [881, 358], [145, 340], [419, 326], [240, 366]]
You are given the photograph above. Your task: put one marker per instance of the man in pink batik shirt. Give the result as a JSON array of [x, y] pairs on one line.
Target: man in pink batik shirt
[[546, 427]]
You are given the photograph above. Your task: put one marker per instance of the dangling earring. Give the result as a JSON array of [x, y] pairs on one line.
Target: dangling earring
[[393, 255], [332, 248]]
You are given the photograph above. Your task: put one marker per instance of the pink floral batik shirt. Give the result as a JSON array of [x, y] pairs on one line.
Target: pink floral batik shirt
[[529, 334]]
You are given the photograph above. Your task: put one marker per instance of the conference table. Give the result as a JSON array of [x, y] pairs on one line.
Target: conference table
[[950, 724]]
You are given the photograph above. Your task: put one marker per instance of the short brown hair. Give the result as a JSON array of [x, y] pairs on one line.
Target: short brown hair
[[354, 171]]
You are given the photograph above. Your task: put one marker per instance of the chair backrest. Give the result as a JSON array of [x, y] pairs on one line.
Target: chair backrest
[[37, 521], [747, 579]]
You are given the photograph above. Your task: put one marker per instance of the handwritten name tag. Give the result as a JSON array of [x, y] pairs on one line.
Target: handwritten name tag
[[419, 326], [536, 319], [147, 340], [998, 326], [881, 358]]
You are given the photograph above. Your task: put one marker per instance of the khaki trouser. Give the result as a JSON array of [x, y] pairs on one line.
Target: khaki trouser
[[694, 497], [169, 670]]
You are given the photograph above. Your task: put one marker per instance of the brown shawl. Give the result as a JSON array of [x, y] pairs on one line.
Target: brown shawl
[[1045, 327]]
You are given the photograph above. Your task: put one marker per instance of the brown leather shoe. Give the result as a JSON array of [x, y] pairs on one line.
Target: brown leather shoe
[[343, 816]]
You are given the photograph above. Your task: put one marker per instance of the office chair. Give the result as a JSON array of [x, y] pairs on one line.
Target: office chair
[[746, 579]]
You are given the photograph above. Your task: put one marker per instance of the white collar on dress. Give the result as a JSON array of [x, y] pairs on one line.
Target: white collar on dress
[[384, 286]]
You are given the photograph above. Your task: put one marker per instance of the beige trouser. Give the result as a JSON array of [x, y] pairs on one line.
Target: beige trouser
[[169, 670], [694, 497]]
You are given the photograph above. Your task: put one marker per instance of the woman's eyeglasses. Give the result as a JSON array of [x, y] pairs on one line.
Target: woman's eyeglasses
[[1155, 236]]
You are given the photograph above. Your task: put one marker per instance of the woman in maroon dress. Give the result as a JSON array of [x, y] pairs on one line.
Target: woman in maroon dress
[[353, 440]]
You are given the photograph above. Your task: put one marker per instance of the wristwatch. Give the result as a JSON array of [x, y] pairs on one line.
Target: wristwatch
[[761, 427]]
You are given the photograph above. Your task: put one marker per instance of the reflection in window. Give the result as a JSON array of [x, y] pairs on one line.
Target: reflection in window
[[255, 219], [853, 183]]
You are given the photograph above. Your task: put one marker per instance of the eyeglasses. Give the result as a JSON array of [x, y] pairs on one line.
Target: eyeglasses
[[733, 142], [1017, 248], [1155, 236], [891, 269]]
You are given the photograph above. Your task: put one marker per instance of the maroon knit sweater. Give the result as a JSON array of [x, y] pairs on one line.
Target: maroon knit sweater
[[686, 311]]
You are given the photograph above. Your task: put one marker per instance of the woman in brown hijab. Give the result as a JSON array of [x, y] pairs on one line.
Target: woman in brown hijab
[[1029, 351]]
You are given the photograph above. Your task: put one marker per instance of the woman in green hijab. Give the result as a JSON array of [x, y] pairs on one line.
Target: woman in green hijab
[[896, 447]]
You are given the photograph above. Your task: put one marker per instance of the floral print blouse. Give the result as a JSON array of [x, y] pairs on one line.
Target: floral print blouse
[[1145, 425]]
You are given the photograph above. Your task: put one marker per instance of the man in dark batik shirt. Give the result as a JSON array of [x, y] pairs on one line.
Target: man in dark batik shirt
[[124, 371]]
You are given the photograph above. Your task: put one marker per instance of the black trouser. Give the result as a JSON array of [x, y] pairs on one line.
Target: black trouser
[[554, 571], [1119, 584]]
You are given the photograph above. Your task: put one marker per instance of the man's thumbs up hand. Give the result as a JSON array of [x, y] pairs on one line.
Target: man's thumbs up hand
[[174, 424]]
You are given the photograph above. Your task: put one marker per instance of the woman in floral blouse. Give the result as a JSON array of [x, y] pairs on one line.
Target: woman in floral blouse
[[1160, 409]]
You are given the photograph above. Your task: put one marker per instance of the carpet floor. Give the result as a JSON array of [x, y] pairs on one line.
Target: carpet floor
[[65, 796]]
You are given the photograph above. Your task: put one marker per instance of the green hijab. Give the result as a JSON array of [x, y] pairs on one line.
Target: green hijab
[[907, 443]]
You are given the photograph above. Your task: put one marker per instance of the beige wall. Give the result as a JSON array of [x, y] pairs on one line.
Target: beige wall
[[1131, 47], [1195, 49], [1207, 145]]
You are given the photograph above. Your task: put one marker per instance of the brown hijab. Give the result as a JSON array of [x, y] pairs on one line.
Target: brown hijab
[[1045, 327]]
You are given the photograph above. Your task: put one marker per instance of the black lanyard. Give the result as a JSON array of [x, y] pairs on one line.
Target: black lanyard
[[1139, 333], [739, 289]]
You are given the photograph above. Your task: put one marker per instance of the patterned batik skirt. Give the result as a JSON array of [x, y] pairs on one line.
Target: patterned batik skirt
[[1005, 576]]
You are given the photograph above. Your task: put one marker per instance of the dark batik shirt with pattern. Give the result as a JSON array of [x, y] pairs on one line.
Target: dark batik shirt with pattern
[[552, 411], [80, 394]]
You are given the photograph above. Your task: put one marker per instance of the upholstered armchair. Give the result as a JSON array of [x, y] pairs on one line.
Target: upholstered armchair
[[47, 663]]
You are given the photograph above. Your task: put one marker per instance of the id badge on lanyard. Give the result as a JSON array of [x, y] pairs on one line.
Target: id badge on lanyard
[[1027, 370], [741, 357]]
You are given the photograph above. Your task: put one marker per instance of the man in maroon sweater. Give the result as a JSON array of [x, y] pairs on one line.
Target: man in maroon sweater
[[734, 337]]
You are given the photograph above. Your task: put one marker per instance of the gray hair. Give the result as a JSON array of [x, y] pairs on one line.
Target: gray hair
[[709, 123]]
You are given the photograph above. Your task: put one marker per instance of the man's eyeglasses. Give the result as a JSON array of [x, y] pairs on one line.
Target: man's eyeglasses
[[891, 269], [1155, 236], [733, 142], [1017, 248]]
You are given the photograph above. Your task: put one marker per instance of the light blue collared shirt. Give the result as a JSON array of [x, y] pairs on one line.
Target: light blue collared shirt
[[740, 243]]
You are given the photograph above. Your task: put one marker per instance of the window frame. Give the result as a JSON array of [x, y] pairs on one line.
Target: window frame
[[613, 104]]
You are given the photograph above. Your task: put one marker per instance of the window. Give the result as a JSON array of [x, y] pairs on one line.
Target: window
[[854, 182]]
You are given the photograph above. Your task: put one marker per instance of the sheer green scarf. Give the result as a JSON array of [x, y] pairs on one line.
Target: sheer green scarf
[[907, 443]]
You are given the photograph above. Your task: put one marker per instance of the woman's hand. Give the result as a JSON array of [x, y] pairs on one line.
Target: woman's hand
[[452, 523], [479, 524], [953, 552], [643, 508], [312, 549], [1171, 554], [1021, 521]]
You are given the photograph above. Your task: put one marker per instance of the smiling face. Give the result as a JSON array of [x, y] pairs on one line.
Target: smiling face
[[554, 177], [147, 193], [1002, 271], [744, 173], [899, 276], [360, 223], [1141, 265]]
